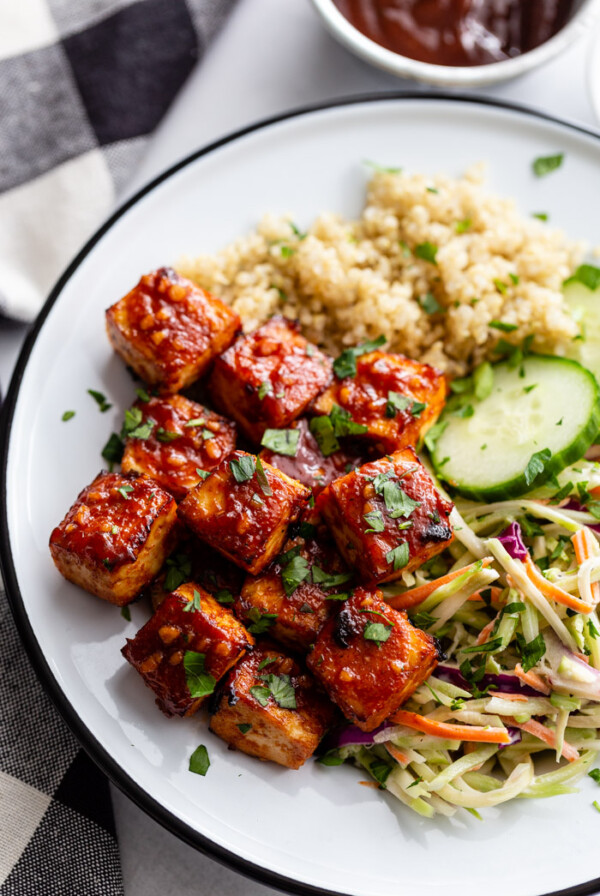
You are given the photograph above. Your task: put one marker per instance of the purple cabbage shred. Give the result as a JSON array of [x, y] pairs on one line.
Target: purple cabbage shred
[[512, 539]]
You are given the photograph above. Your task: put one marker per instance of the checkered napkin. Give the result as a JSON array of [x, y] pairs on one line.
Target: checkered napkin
[[83, 83]]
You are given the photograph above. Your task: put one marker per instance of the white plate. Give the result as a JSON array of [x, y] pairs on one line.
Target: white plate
[[315, 828], [593, 73]]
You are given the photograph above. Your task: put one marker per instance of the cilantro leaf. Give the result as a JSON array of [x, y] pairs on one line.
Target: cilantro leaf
[[68, 415], [396, 402], [261, 622], [199, 682], [125, 491], [261, 694], [532, 652], [262, 480], [434, 433], [244, 727], [429, 304], [343, 424], [329, 580], [179, 570], [345, 364], [243, 468], [537, 464], [543, 165], [265, 389], [331, 757], [282, 441], [322, 430], [503, 326], [375, 520], [398, 557], [224, 596], [199, 761], [397, 502], [427, 252], [586, 274], [113, 450], [294, 573], [100, 400], [281, 689], [193, 604]]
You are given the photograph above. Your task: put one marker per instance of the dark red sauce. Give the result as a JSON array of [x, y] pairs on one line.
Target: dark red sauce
[[458, 32]]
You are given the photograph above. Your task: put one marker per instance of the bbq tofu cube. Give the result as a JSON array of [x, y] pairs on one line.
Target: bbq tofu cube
[[116, 536], [304, 460], [266, 379], [387, 517], [168, 329], [171, 438], [243, 510], [370, 658], [297, 592], [270, 708], [397, 399], [190, 642]]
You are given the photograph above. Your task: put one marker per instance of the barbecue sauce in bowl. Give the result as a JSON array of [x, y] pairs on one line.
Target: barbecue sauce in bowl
[[458, 32]]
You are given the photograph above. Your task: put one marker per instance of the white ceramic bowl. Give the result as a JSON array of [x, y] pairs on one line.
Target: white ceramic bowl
[[586, 12], [593, 73]]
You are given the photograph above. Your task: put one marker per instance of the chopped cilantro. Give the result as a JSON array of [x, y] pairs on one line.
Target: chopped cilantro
[[543, 165], [541, 216], [203, 474], [375, 521], [113, 450], [537, 464], [463, 226], [380, 770], [68, 415], [297, 232], [197, 421], [294, 573], [281, 441], [398, 557], [142, 395], [586, 274], [329, 580], [261, 478], [330, 758], [345, 364], [501, 287], [244, 727], [224, 596], [595, 775], [167, 435], [179, 570], [100, 400], [322, 430], [199, 682], [434, 433], [343, 424], [207, 434], [266, 662], [126, 613], [487, 647], [260, 622], [397, 502], [281, 689], [502, 325], [261, 694], [381, 169], [125, 491], [199, 761], [193, 604], [515, 278], [427, 252], [532, 652], [243, 468], [429, 304], [377, 631], [264, 389]]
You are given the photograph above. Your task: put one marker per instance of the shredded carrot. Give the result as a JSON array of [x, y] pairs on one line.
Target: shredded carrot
[[417, 595], [471, 733], [494, 594], [370, 784], [553, 592], [485, 631], [595, 491], [585, 547], [397, 754], [516, 698], [532, 679], [546, 734]]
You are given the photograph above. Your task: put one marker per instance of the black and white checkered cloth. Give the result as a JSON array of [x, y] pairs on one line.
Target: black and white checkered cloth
[[83, 83]]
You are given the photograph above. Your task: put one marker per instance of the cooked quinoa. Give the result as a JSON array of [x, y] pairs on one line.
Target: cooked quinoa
[[441, 266]]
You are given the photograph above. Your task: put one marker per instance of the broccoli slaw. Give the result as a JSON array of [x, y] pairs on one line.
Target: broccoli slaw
[[513, 708]]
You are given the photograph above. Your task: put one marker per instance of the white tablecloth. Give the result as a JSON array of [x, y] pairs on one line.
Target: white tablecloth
[[271, 56]]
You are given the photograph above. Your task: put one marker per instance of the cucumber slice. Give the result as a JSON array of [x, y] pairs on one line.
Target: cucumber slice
[[545, 403], [584, 305]]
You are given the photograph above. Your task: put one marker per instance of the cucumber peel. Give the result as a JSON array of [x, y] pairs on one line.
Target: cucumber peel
[[584, 305], [537, 419]]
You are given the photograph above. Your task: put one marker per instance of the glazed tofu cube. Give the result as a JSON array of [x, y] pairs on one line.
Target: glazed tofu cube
[[195, 561], [308, 464], [299, 590], [370, 658], [190, 642], [243, 509], [267, 378], [171, 438], [397, 399], [387, 517], [168, 330], [116, 536], [270, 708]]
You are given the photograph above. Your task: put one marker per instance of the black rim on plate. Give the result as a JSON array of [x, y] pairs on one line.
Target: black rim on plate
[[92, 746]]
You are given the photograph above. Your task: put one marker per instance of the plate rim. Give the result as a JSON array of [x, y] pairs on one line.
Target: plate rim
[[93, 747]]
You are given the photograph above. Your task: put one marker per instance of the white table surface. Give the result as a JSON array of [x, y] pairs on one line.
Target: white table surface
[[272, 55]]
